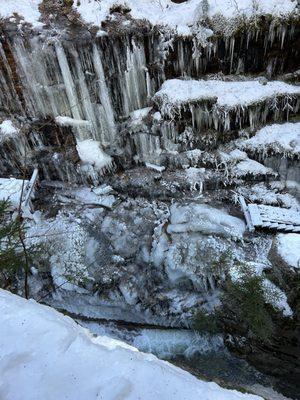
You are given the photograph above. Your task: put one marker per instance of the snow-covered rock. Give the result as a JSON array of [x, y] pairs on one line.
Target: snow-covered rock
[[11, 190], [277, 139], [175, 93], [181, 17], [46, 355], [288, 247]]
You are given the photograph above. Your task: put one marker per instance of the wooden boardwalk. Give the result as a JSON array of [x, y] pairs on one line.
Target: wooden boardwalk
[[268, 217]]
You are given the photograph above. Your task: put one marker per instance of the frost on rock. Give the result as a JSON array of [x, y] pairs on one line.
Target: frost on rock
[[288, 247], [54, 348]]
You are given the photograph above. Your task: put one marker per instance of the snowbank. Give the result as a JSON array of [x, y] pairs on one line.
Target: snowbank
[[176, 93], [288, 246], [46, 355], [181, 17], [28, 9], [277, 138]]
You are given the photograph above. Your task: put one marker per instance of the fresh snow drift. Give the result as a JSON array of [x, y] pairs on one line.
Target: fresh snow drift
[[46, 355]]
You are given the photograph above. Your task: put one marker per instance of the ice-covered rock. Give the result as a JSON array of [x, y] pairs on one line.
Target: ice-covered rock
[[204, 219]]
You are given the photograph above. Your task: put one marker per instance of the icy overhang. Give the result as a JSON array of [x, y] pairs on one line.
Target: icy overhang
[[176, 93]]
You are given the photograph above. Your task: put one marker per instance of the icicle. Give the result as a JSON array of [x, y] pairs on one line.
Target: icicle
[[103, 92]]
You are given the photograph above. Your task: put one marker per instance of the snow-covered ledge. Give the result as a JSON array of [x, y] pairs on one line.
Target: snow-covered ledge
[[46, 355]]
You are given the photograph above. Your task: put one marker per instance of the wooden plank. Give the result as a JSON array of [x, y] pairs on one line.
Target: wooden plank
[[255, 214], [246, 214], [29, 188]]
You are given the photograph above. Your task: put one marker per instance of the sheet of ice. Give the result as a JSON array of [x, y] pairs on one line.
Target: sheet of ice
[[177, 92], [28, 9], [181, 17], [90, 152], [49, 356], [11, 189], [288, 246], [277, 138]]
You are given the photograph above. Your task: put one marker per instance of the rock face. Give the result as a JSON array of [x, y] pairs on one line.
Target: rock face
[[282, 354], [145, 129]]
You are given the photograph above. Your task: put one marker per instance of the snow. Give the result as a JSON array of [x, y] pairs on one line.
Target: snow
[[277, 138], [288, 246], [28, 9], [67, 121], [90, 152], [11, 189], [273, 294], [7, 130], [51, 357], [270, 195], [250, 167], [154, 167], [177, 92], [182, 17], [280, 302]]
